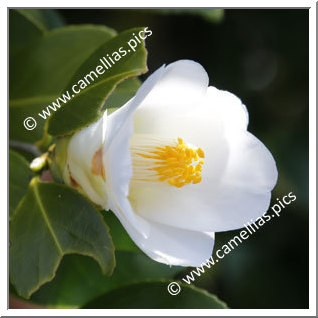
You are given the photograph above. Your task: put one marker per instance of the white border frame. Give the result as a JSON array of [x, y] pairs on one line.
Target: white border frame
[[312, 162]]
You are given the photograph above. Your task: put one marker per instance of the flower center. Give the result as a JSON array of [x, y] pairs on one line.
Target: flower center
[[176, 163]]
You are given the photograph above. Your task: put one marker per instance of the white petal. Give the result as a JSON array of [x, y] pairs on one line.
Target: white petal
[[116, 157], [242, 192], [228, 108], [93, 187], [117, 161], [118, 119], [81, 150], [204, 123], [172, 246], [181, 88], [251, 167]]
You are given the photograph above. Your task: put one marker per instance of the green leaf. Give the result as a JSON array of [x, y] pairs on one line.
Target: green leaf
[[21, 109], [51, 221], [19, 178], [46, 69], [121, 239], [40, 71], [46, 19], [23, 31], [154, 295], [84, 108], [79, 280], [122, 94]]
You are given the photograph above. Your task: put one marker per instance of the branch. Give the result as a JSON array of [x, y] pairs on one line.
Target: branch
[[25, 147]]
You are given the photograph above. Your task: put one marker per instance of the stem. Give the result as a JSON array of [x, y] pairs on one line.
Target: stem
[[19, 145]]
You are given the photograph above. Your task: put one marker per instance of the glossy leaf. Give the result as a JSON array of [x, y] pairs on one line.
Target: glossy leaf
[[154, 295], [84, 107], [46, 69], [19, 178], [46, 19], [121, 239], [41, 66], [22, 32], [54, 220], [79, 280], [122, 94]]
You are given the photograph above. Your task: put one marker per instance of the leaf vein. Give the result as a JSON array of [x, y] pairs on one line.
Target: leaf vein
[[46, 219]]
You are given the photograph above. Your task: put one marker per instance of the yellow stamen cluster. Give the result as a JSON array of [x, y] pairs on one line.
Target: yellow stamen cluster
[[178, 164]]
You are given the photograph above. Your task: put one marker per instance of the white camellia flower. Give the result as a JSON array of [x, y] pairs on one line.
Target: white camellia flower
[[175, 164]]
